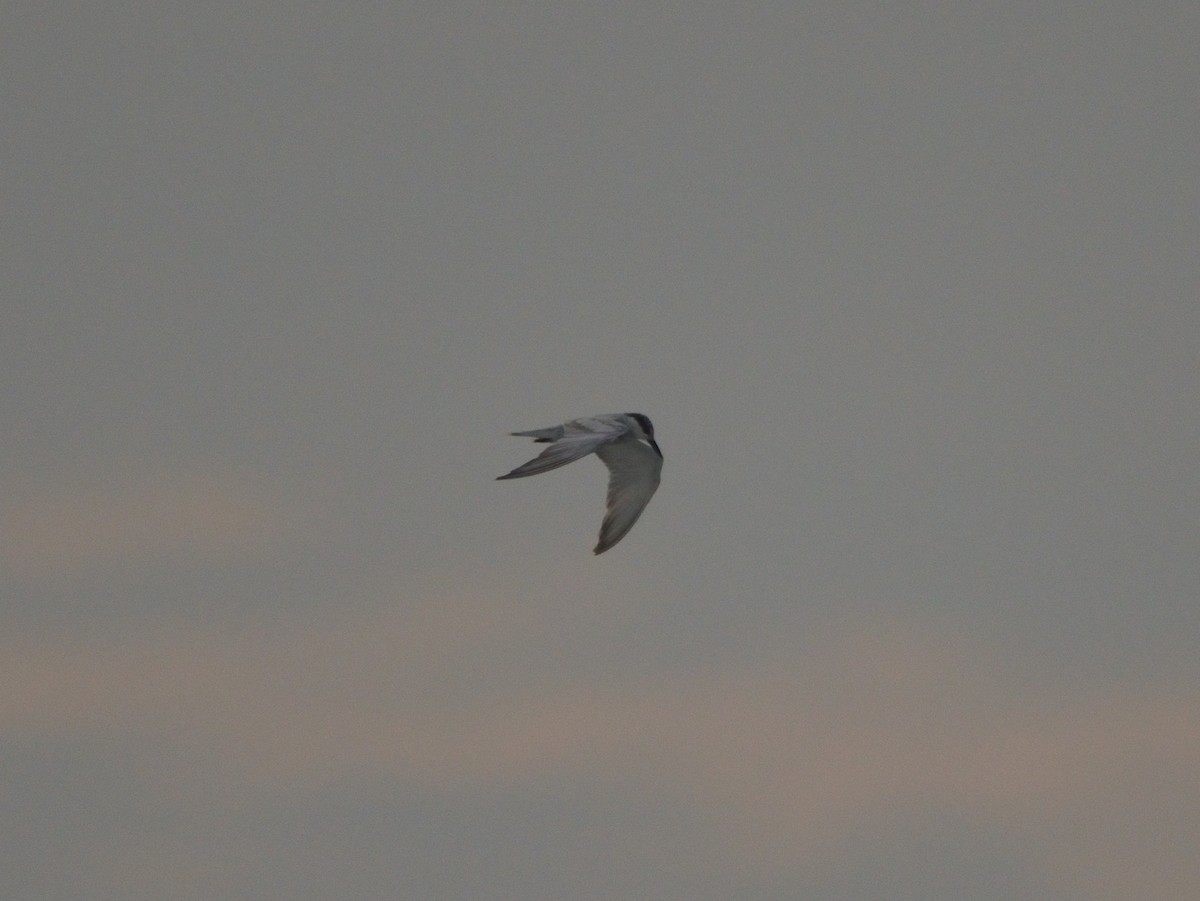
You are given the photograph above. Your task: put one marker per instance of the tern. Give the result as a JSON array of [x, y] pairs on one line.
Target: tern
[[625, 443]]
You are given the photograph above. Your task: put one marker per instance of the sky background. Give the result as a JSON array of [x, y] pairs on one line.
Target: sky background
[[910, 292]]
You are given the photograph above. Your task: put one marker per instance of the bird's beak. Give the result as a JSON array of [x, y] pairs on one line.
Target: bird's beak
[[654, 444]]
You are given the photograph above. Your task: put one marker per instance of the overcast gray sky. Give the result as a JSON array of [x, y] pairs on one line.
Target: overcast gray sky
[[910, 292]]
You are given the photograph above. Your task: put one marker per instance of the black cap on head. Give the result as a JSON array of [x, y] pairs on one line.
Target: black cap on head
[[644, 421], [647, 429]]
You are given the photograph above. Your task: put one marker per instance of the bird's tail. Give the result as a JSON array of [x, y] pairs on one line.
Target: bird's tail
[[542, 436]]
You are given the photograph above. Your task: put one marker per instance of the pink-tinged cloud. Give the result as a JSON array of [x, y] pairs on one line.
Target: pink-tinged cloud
[[789, 758], [175, 517]]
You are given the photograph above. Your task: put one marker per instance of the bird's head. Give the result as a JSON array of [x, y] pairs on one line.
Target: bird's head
[[647, 430]]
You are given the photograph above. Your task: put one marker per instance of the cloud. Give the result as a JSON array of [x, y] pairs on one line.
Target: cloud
[[789, 758], [151, 517]]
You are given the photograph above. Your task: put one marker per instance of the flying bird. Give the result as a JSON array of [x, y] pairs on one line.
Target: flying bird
[[625, 443]]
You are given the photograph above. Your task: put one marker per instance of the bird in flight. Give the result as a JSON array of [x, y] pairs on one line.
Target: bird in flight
[[625, 443]]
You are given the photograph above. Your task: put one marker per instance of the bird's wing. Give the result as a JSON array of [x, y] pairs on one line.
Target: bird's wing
[[611, 425], [560, 453], [634, 472]]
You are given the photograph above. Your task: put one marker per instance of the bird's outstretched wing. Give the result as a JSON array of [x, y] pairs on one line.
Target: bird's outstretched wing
[[634, 472], [560, 453]]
